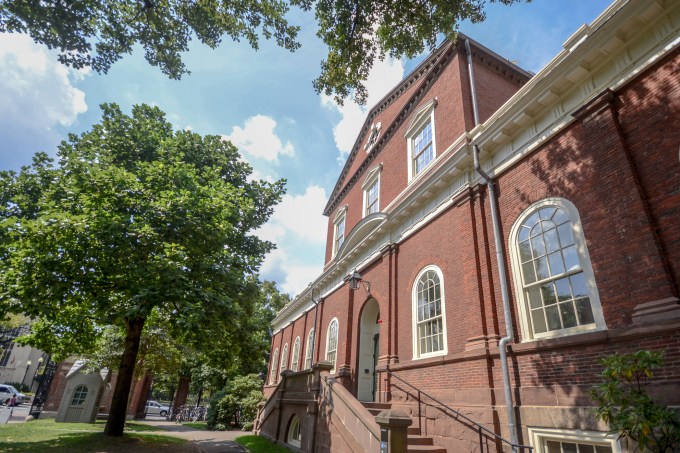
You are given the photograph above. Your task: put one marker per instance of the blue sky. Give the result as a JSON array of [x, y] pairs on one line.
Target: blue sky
[[262, 100]]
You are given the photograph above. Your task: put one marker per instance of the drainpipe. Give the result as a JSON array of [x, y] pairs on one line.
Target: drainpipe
[[493, 204], [316, 312]]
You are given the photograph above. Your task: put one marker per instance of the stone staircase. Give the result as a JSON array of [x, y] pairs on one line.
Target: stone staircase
[[416, 442]]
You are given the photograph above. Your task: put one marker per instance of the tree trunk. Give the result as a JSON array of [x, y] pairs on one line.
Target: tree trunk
[[117, 414]]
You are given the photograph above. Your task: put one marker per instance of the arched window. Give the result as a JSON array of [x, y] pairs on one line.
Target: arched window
[[272, 373], [553, 277], [429, 321], [284, 359], [294, 436], [332, 342], [295, 359], [79, 396], [308, 349]]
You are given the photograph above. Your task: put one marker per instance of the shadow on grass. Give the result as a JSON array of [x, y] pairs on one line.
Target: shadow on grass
[[90, 442], [258, 444]]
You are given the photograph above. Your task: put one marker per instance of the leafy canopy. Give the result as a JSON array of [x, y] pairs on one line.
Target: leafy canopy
[[96, 34], [627, 407], [133, 218]]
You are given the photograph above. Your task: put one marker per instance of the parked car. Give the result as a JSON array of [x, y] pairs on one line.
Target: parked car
[[156, 408], [6, 392]]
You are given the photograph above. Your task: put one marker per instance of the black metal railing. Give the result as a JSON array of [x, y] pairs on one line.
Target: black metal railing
[[480, 429]]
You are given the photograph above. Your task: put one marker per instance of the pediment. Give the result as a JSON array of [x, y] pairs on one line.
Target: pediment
[[360, 232], [419, 117]]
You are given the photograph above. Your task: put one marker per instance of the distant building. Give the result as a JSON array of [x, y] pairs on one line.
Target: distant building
[[19, 364], [584, 159]]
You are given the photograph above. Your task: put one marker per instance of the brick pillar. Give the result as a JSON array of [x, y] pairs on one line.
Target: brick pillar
[[182, 391], [393, 426], [137, 406]]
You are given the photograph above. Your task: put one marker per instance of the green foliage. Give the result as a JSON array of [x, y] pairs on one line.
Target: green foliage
[[135, 225], [241, 393], [628, 409], [96, 34]]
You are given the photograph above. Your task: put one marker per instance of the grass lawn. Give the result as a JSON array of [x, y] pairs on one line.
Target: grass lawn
[[257, 444], [203, 426], [46, 435]]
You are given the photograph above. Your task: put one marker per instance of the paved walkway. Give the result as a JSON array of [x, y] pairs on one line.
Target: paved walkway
[[206, 441]]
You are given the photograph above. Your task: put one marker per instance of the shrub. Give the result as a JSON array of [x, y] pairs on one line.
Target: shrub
[[626, 406], [236, 404], [19, 386]]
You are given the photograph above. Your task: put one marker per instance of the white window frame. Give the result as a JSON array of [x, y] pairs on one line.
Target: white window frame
[[373, 136], [340, 219], [328, 343], [295, 358], [538, 437], [292, 437], [584, 260], [414, 304], [372, 178], [421, 118], [308, 349], [284, 359], [272, 373]]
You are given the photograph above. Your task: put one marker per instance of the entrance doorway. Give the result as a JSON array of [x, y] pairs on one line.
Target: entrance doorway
[[369, 350]]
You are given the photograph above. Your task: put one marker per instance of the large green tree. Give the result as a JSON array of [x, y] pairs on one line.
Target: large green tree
[[133, 217], [91, 33]]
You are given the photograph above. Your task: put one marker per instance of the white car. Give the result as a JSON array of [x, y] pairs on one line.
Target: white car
[[156, 408], [6, 392]]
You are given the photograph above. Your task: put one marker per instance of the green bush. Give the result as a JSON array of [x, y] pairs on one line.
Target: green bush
[[626, 406], [23, 388], [241, 395]]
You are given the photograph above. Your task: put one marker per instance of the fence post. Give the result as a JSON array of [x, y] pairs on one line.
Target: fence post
[[393, 427]]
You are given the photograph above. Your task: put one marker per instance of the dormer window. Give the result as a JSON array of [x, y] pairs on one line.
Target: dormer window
[[373, 137], [371, 188], [339, 236], [420, 137]]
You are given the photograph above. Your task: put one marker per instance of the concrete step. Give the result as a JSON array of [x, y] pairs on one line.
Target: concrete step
[[419, 440], [425, 449], [381, 406], [413, 430]]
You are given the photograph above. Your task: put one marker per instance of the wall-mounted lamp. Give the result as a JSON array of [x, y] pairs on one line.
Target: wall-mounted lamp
[[355, 281]]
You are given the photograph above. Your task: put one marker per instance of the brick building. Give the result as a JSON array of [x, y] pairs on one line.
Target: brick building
[[496, 219]]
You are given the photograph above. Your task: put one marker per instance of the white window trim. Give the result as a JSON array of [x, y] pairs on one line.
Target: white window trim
[[272, 373], [372, 176], [284, 359], [337, 333], [340, 217], [538, 435], [308, 349], [295, 357], [414, 315], [584, 257], [421, 117], [373, 136], [291, 440]]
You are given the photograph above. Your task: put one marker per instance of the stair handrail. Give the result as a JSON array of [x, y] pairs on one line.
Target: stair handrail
[[458, 414]]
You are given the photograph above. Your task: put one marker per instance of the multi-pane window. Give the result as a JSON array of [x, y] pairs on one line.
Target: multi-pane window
[[295, 359], [422, 151], [332, 343], [294, 434], [308, 349], [284, 358], [373, 197], [339, 233], [556, 279], [272, 373], [429, 313], [79, 396], [556, 446]]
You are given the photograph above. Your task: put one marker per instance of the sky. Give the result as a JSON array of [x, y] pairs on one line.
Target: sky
[[263, 101]]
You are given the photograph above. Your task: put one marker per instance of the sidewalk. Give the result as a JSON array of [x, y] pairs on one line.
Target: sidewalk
[[206, 441]]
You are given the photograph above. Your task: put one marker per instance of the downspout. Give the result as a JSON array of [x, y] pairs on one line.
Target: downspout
[[500, 259], [316, 312]]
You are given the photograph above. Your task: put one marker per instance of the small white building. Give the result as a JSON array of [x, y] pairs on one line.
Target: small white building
[[83, 392]]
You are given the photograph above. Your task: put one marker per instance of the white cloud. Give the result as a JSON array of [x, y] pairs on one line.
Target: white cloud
[[298, 227], [258, 139], [36, 94], [383, 77]]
